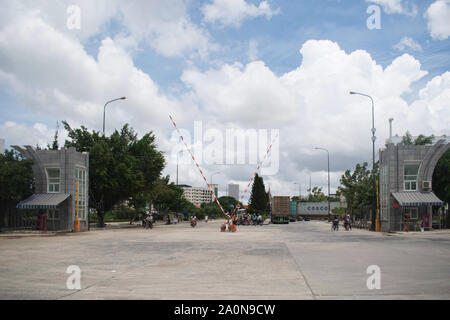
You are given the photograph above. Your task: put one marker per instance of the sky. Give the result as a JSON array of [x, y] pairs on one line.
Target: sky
[[258, 66]]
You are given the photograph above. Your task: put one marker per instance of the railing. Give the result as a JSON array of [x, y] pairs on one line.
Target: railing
[[362, 224]]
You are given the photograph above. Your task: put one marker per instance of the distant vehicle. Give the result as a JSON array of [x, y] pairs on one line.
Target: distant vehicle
[[300, 218], [280, 207]]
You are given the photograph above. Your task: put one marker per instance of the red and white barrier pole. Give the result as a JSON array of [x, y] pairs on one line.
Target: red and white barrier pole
[[200, 170]]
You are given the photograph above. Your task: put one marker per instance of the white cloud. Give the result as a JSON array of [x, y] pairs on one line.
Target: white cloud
[[51, 73], [438, 16], [233, 12], [432, 105], [408, 43], [397, 6], [155, 23], [69, 84], [93, 14], [21, 134], [312, 107], [166, 27]]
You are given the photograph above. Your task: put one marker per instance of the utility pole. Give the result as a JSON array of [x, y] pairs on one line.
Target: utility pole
[[104, 111], [329, 209], [375, 222], [310, 185]]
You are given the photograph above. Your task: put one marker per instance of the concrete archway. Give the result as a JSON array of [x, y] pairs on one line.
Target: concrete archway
[[431, 159], [39, 171]]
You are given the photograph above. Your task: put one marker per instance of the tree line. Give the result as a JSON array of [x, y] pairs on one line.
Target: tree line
[[127, 169]]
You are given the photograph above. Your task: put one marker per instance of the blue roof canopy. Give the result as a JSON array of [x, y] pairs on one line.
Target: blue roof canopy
[[43, 201], [415, 198]]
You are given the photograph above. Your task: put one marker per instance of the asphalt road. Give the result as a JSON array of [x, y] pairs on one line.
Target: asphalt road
[[302, 260]]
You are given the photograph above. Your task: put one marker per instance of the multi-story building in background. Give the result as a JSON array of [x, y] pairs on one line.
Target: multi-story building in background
[[233, 191], [198, 195]]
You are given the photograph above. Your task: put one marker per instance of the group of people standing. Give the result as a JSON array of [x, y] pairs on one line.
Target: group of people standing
[[248, 219]]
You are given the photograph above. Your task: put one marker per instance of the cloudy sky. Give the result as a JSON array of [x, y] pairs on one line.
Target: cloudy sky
[[231, 64]]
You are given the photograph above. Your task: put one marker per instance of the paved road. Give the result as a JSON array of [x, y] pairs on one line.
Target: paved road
[[303, 260]]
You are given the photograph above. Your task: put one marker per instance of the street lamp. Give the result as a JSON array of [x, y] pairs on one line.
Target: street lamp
[[212, 175], [177, 163], [104, 110], [329, 209], [373, 162]]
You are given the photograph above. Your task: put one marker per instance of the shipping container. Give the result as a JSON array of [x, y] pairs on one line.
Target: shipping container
[[280, 207], [293, 214]]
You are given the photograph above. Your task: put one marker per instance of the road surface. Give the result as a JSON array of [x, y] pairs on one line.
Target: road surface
[[302, 260]]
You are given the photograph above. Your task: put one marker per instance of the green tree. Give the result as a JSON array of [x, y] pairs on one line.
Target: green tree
[[316, 195], [407, 139], [121, 167], [357, 186], [212, 209], [258, 202], [16, 179], [421, 140], [169, 197]]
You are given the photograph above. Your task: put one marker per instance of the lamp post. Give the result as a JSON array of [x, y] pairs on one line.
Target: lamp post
[[177, 163], [310, 190], [104, 110], [212, 175], [329, 209], [374, 221]]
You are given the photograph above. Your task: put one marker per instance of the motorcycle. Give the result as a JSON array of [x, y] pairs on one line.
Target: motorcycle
[[193, 222], [347, 224], [147, 223], [335, 226]]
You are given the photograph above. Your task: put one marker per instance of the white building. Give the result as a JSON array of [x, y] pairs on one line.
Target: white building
[[198, 195], [233, 191]]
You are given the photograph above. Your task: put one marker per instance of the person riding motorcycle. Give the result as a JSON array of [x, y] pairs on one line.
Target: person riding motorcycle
[[260, 222], [347, 223], [335, 223], [148, 222], [193, 221]]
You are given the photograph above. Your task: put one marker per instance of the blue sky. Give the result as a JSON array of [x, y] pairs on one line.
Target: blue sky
[[279, 41], [230, 64]]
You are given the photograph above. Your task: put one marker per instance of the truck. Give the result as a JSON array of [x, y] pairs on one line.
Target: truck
[[280, 207]]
